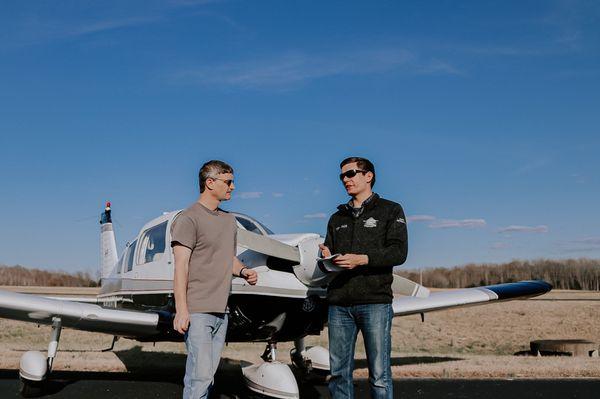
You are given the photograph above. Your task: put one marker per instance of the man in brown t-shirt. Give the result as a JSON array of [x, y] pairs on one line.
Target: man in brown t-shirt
[[203, 238]]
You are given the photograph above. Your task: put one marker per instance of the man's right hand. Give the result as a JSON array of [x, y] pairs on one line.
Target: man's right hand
[[325, 252], [181, 321]]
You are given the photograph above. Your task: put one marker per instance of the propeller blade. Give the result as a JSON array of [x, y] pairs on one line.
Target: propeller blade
[[267, 246]]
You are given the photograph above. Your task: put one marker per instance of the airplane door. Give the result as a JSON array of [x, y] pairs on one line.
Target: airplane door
[[152, 256]]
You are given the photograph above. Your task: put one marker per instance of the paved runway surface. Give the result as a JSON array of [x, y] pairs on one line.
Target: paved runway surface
[[91, 385]]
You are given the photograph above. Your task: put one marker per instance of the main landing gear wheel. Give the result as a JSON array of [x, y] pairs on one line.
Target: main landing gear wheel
[[34, 367]]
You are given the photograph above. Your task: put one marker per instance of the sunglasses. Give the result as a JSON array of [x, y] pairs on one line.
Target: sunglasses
[[351, 173], [229, 182]]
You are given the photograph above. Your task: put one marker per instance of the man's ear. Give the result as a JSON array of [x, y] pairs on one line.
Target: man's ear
[[208, 184], [369, 176]]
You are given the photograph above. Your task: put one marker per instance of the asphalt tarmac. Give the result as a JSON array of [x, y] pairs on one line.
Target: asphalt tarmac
[[91, 385]]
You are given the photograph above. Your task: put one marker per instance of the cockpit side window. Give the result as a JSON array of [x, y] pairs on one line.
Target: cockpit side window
[[152, 245], [248, 225], [120, 263], [129, 256]]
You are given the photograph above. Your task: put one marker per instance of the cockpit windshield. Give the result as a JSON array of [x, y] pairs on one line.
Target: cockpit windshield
[[253, 225]]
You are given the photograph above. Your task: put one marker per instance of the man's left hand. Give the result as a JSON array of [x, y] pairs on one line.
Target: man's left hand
[[250, 275], [350, 261]]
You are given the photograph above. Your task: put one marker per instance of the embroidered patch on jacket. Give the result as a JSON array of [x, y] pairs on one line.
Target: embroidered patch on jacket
[[370, 222], [400, 220], [344, 226]]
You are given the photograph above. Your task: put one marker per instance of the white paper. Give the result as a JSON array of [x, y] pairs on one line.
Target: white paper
[[329, 265]]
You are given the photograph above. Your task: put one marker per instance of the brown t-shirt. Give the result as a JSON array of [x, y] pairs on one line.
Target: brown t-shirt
[[211, 235]]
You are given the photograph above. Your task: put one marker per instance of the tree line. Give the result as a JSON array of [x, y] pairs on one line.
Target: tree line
[[19, 275], [569, 274]]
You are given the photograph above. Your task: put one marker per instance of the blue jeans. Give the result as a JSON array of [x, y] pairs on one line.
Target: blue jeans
[[375, 323], [204, 342]]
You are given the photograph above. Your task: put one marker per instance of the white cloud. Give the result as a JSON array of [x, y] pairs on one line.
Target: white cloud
[[38, 29], [589, 240], [524, 229], [319, 215], [250, 194], [460, 224], [111, 24], [581, 245], [420, 218], [532, 166], [294, 68], [579, 178], [278, 195]]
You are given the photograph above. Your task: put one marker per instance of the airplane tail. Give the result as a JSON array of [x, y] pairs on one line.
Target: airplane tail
[[108, 245]]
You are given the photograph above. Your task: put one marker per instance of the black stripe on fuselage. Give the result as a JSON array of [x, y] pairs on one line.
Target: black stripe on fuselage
[[522, 289]]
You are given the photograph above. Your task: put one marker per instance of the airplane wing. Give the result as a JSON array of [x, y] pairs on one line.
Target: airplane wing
[[78, 315], [441, 300]]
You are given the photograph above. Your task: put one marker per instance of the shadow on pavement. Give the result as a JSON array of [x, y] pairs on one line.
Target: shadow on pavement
[[161, 374]]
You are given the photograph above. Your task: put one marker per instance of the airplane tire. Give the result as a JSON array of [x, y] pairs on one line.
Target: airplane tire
[[31, 389]]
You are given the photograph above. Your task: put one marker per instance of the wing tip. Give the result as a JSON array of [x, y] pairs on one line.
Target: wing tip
[[527, 288]]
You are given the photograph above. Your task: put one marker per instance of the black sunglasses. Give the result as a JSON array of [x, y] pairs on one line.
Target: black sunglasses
[[351, 173], [229, 182]]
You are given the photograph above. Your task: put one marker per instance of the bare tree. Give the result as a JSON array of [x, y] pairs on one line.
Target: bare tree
[[570, 274]]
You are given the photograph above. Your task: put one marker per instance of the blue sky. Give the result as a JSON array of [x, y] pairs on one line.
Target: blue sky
[[481, 118]]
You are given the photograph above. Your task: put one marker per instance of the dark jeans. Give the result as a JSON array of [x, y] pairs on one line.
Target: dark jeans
[[375, 323]]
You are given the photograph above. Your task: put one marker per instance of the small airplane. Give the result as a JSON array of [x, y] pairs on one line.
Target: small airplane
[[287, 304]]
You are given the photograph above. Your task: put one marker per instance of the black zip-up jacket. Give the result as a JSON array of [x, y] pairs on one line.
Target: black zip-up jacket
[[378, 232]]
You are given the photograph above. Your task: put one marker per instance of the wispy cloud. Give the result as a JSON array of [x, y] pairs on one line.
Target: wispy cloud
[[295, 68], [500, 245], [191, 3], [501, 50], [586, 244], [420, 218], [571, 20], [319, 215], [110, 24], [460, 224], [532, 166], [278, 195], [438, 67], [589, 241], [39, 29], [250, 194], [580, 179], [524, 229]]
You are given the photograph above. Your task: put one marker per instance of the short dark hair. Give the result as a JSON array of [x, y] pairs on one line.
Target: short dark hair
[[362, 163], [211, 169]]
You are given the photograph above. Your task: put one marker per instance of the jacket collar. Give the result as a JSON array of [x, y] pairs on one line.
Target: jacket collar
[[356, 212]]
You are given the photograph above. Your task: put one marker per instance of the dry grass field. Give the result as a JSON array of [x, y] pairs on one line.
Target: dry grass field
[[475, 342]]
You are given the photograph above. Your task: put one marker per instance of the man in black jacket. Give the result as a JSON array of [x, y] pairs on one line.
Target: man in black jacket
[[370, 234]]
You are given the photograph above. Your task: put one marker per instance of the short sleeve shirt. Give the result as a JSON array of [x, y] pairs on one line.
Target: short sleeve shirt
[[211, 235]]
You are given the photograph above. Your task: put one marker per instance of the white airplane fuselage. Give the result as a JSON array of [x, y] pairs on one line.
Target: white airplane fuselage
[[280, 307]]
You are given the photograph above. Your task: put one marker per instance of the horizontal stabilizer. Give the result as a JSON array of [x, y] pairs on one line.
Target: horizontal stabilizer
[[267, 246], [469, 297]]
